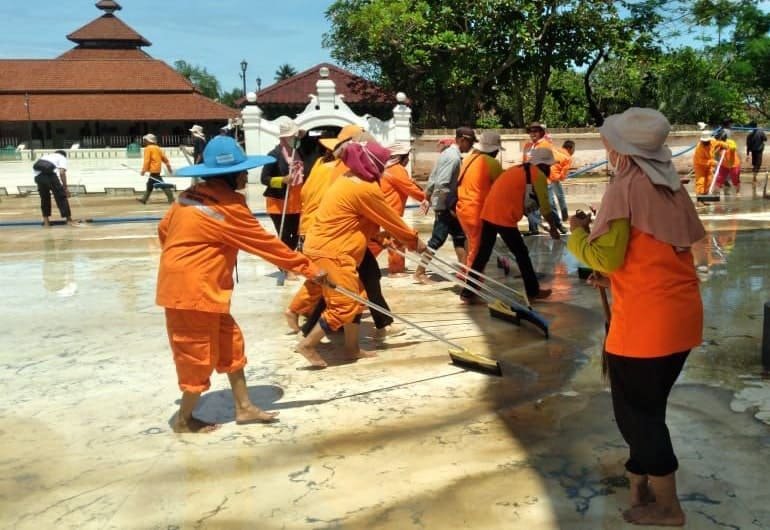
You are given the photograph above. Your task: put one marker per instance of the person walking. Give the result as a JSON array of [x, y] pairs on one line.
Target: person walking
[[198, 143], [537, 138], [440, 193], [200, 237], [51, 179], [507, 202], [755, 147], [641, 244], [154, 159], [557, 175]]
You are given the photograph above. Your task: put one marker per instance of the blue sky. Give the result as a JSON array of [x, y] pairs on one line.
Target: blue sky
[[216, 34]]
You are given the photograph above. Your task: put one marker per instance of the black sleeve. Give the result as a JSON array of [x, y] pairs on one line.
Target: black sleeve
[[271, 170]]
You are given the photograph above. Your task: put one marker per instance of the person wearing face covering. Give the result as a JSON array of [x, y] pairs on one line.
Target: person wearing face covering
[[349, 215], [641, 244]]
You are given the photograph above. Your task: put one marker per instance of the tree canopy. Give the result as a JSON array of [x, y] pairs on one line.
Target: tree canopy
[[285, 71], [571, 62]]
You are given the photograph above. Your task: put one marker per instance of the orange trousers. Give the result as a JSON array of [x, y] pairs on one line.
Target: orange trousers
[[702, 179], [471, 225], [340, 309], [201, 343], [306, 298]]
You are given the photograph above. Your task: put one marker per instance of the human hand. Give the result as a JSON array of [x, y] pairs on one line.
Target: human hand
[[597, 279], [553, 232], [424, 207], [320, 277], [580, 220], [421, 246]]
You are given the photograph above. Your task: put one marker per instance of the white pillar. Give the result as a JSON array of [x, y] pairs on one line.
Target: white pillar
[[402, 120], [252, 126]]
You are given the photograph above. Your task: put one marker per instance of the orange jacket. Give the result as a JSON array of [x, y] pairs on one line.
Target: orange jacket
[[560, 169], [473, 185], [318, 181], [200, 235], [705, 153], [656, 303], [505, 203], [530, 146], [397, 186], [153, 158], [350, 213]]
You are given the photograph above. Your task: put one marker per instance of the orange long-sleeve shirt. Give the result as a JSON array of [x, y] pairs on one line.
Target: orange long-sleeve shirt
[[473, 185], [316, 184], [201, 234], [560, 169], [505, 203], [705, 153], [531, 146], [350, 213], [154, 158], [397, 186]]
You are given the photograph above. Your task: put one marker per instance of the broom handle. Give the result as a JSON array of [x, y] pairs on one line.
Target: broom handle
[[716, 172], [288, 185], [372, 305], [605, 304], [482, 275]]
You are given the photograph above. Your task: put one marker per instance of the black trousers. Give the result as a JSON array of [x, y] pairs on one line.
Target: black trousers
[[370, 275], [48, 183], [445, 225], [156, 178], [640, 389], [512, 238], [290, 234]]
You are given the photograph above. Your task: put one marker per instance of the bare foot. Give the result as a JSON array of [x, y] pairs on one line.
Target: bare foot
[[254, 414], [400, 274], [292, 319], [311, 354], [654, 515], [193, 425], [641, 493], [423, 279], [362, 354]]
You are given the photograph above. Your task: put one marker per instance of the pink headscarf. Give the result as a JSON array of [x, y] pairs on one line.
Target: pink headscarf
[[366, 159]]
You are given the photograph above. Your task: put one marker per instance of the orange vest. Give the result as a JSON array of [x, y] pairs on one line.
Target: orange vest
[[560, 169], [473, 185], [397, 186], [656, 303], [529, 146], [318, 181], [505, 203]]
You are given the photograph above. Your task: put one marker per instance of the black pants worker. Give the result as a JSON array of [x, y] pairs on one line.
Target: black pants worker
[[47, 184]]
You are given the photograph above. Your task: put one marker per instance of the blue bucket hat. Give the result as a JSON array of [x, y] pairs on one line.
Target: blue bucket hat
[[221, 156]]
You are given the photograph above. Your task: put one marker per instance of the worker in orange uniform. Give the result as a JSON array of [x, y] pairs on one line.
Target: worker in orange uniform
[[641, 243], [154, 160], [507, 202], [558, 174], [537, 138], [283, 180], [473, 184], [200, 237], [704, 161], [397, 186], [350, 214], [730, 168]]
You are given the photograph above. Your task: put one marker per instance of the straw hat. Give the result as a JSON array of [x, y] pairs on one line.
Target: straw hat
[[287, 129], [536, 126], [150, 138], [345, 134], [542, 155], [196, 129], [489, 142], [706, 138], [399, 149], [221, 156]]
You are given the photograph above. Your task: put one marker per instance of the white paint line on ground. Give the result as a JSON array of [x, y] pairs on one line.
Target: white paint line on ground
[[11, 213], [108, 238]]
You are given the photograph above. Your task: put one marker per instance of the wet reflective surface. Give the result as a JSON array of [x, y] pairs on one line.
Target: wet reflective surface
[[404, 440]]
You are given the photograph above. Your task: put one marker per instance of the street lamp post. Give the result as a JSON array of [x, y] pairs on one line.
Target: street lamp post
[[244, 65]]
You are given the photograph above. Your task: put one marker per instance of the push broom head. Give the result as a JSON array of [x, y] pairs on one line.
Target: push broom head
[[707, 198], [515, 315], [473, 361]]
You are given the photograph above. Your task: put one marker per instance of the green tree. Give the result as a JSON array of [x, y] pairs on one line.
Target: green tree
[[229, 98], [285, 71], [200, 77]]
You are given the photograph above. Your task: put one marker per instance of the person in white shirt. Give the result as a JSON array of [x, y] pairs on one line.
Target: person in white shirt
[[49, 169]]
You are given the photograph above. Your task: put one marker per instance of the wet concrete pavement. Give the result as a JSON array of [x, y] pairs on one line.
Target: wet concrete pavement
[[404, 440]]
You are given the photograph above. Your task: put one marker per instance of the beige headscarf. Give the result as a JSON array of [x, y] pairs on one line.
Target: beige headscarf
[[645, 189]]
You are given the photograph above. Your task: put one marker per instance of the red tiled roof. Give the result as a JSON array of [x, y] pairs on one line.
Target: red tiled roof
[[43, 75], [126, 54], [113, 107], [295, 90], [108, 28]]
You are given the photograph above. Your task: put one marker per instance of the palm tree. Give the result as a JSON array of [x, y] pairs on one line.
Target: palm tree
[[285, 71]]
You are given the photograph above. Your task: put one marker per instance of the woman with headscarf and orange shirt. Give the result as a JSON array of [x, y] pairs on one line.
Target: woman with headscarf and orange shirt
[[478, 170], [200, 237], [398, 186], [349, 215], [642, 241]]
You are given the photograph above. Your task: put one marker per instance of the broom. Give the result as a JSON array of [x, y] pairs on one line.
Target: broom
[[281, 273], [459, 355]]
